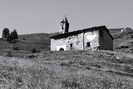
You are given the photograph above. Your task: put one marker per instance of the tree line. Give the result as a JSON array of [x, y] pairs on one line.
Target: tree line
[[9, 36]]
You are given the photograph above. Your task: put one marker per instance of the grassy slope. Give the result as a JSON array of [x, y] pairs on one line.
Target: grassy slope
[[64, 70], [26, 43], [123, 41], [41, 42], [68, 70]]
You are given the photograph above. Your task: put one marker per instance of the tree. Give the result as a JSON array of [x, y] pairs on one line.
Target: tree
[[5, 33], [13, 36]]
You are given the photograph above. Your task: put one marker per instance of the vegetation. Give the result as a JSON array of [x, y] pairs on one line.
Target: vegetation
[[34, 50], [5, 33], [23, 67], [80, 71], [13, 37], [10, 37]]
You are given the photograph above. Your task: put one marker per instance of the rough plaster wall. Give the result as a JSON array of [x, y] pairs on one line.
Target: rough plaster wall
[[76, 41], [93, 38], [55, 44], [106, 41]]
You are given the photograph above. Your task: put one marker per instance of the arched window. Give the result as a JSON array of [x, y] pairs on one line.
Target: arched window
[[61, 49], [88, 44]]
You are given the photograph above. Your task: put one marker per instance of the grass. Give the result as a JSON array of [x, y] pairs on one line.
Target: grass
[[67, 70], [28, 65], [27, 43]]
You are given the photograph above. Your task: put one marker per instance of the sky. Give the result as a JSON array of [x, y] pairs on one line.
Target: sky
[[44, 16]]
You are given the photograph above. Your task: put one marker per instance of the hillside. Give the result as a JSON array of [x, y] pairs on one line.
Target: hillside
[[21, 68], [123, 39], [41, 42], [26, 43], [68, 70]]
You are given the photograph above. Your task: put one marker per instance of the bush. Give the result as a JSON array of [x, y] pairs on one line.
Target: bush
[[31, 56], [15, 48], [24, 39], [34, 50], [9, 54]]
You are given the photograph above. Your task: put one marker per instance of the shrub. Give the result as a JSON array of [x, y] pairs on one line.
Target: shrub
[[24, 38], [31, 56], [15, 48], [9, 54], [34, 50]]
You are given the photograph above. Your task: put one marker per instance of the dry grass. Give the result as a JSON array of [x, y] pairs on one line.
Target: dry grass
[[67, 70]]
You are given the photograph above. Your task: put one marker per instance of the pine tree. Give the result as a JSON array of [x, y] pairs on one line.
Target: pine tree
[[5, 33], [13, 36]]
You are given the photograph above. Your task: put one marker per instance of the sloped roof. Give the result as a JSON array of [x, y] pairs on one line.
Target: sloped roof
[[64, 35]]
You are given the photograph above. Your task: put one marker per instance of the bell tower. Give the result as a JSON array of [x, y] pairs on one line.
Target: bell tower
[[64, 25]]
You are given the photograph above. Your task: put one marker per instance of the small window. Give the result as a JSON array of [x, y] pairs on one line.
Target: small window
[[71, 45], [61, 49], [88, 44]]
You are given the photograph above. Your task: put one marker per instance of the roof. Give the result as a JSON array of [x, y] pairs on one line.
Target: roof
[[64, 35]]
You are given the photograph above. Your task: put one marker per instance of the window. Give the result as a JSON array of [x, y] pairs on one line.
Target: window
[[71, 45], [88, 44], [61, 49]]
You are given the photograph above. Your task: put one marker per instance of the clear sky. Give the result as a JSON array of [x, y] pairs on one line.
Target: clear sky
[[37, 16]]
